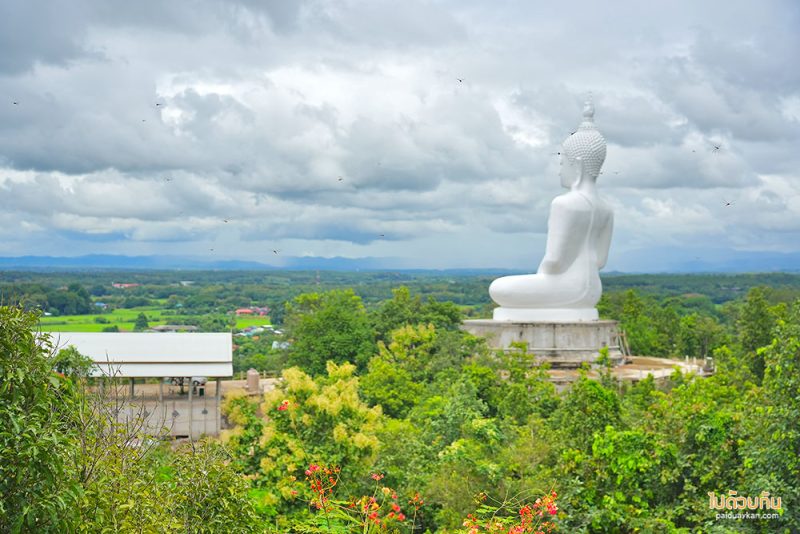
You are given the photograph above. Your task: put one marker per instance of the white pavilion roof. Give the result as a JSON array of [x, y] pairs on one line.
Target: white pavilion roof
[[153, 354]]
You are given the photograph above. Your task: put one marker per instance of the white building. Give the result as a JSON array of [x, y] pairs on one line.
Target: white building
[[161, 355]]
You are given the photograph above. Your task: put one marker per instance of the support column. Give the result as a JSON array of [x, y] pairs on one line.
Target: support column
[[217, 397], [191, 410], [161, 406]]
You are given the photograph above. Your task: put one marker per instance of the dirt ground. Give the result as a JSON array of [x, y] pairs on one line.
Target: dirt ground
[[635, 368]]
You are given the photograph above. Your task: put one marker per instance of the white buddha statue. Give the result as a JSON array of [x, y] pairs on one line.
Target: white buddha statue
[[567, 285]]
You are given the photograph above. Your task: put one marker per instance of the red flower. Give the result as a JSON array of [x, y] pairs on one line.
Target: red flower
[[284, 406], [376, 476], [401, 517], [312, 469], [395, 507]]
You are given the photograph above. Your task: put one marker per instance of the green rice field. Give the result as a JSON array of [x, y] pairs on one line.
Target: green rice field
[[244, 322], [125, 319]]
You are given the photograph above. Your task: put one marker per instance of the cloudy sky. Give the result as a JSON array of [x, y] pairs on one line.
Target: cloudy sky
[[420, 131]]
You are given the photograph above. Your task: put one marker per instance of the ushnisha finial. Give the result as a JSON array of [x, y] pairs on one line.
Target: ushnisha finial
[[588, 108], [587, 142], [588, 114]]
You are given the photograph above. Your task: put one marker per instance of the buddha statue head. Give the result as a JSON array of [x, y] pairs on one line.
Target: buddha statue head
[[583, 152]]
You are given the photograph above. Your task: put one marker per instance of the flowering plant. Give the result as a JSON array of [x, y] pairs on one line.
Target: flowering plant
[[384, 510], [380, 512], [533, 518]]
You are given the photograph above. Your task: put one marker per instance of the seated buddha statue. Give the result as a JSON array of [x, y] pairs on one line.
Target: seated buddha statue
[[567, 285]]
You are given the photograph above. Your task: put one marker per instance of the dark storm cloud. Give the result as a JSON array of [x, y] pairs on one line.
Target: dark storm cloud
[[40, 31]]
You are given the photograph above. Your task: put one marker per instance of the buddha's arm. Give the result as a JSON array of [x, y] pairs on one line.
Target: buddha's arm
[[604, 243], [565, 237]]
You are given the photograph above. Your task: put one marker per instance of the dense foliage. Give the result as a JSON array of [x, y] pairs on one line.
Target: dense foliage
[[387, 417], [59, 300], [461, 425]]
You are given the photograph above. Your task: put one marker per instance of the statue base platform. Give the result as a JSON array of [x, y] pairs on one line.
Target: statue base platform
[[561, 344], [545, 315]]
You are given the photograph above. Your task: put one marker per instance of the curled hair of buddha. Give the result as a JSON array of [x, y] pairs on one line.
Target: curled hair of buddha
[[587, 144]]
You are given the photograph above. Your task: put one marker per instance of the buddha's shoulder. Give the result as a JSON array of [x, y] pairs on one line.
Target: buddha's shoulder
[[574, 201], [571, 200]]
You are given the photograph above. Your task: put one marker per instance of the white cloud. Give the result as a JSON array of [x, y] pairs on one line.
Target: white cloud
[[422, 131]]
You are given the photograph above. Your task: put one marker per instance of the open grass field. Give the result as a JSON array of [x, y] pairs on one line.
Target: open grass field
[[244, 322], [125, 319]]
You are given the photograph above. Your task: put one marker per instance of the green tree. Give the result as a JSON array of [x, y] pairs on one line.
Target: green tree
[[330, 326], [636, 472], [141, 322], [755, 321], [404, 310], [698, 335], [83, 301], [699, 421], [37, 484], [773, 448], [410, 349], [755, 324], [470, 464], [391, 387], [443, 416], [587, 408], [206, 495], [400, 310], [639, 326]]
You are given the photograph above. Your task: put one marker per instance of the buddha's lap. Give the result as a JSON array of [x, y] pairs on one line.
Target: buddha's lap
[[537, 290]]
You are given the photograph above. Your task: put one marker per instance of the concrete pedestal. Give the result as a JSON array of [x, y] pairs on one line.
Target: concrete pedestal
[[562, 344]]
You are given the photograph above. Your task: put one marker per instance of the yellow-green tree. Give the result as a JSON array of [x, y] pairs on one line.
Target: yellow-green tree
[[305, 421]]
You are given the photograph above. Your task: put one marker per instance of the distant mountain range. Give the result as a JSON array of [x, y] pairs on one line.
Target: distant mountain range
[[638, 261], [166, 263], [708, 260], [107, 261]]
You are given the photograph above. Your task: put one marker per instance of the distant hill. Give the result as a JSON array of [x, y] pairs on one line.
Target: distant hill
[[97, 261], [662, 260], [107, 261], [708, 260]]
